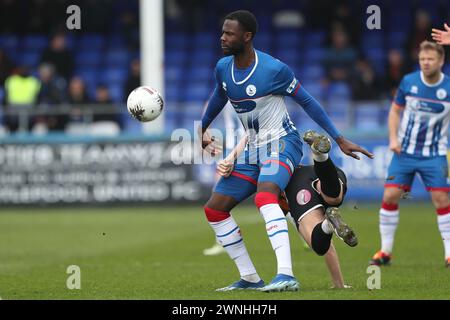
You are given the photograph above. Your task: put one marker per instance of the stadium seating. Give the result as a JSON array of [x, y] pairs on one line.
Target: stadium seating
[[190, 56]]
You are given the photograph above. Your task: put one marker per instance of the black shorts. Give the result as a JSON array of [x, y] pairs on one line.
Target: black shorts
[[302, 194]]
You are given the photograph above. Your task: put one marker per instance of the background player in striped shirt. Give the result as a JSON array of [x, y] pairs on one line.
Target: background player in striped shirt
[[418, 139]]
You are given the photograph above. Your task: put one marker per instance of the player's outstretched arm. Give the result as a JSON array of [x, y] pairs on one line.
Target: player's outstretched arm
[[349, 148], [332, 261], [318, 114], [215, 105], [441, 36]]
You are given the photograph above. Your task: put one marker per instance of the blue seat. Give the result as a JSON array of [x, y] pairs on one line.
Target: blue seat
[[172, 91], [204, 57], [88, 58], [91, 41], [289, 56], [339, 90], [313, 72], [116, 92], [117, 57], [176, 41], [288, 39], [314, 88], [30, 58], [116, 41], [175, 57], [34, 42], [205, 40], [196, 92], [114, 75], [315, 55], [90, 77], [263, 41], [315, 38], [201, 74], [173, 74], [9, 42], [367, 116]]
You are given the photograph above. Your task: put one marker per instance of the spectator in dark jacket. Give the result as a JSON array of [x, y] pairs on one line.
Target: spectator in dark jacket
[[59, 56]]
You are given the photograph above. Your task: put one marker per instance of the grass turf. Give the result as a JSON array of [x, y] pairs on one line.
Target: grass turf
[[156, 253]]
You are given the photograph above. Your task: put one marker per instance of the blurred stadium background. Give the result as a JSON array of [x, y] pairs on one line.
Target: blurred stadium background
[[67, 139]]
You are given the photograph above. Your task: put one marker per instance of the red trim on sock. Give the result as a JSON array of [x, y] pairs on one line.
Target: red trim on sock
[[389, 207], [404, 187], [281, 163], [215, 215], [243, 176], [445, 189], [263, 198], [443, 211]]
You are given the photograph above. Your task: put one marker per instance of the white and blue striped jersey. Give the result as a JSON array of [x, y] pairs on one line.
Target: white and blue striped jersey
[[257, 95], [424, 124]]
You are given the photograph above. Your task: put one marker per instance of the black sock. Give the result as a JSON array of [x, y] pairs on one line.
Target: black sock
[[328, 176], [320, 241]]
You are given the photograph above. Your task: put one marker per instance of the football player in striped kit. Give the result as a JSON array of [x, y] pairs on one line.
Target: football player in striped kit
[[418, 124], [256, 84]]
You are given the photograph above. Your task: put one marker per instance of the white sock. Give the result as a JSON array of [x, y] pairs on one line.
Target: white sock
[[388, 224], [444, 228], [319, 157], [277, 230], [229, 236], [327, 227]]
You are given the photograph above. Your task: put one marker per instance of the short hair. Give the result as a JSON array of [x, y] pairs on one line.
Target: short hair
[[246, 19], [428, 45]]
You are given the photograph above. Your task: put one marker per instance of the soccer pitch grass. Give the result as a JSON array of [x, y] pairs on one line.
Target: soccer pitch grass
[[156, 253]]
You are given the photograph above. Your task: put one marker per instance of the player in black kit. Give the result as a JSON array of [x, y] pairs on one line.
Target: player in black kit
[[311, 201]]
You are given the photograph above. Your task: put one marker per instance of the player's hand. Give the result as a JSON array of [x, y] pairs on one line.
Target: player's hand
[[349, 147], [210, 144], [225, 167], [395, 146], [440, 36]]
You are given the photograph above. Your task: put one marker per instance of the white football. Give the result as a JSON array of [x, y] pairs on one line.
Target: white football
[[145, 103]]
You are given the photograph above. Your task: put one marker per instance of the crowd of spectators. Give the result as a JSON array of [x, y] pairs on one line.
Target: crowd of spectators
[[50, 94]]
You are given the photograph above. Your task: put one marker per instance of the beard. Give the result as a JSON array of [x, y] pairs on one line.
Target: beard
[[234, 51]]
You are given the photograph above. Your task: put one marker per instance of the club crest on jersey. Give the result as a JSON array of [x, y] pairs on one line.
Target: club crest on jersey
[[224, 86], [303, 197], [441, 94], [251, 90], [414, 89]]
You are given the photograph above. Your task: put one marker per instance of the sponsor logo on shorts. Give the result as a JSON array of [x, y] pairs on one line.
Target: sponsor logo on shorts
[[303, 197]]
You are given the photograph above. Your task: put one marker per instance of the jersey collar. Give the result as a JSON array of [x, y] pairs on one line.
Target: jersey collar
[[251, 72], [429, 84]]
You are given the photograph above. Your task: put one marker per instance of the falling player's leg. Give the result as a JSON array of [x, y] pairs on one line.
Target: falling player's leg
[[331, 185], [228, 193]]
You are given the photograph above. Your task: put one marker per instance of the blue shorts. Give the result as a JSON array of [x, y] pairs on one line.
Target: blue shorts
[[432, 170], [274, 162]]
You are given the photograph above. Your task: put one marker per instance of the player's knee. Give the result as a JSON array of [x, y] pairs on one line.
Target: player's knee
[[392, 195], [215, 215], [335, 202], [320, 242], [263, 198]]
